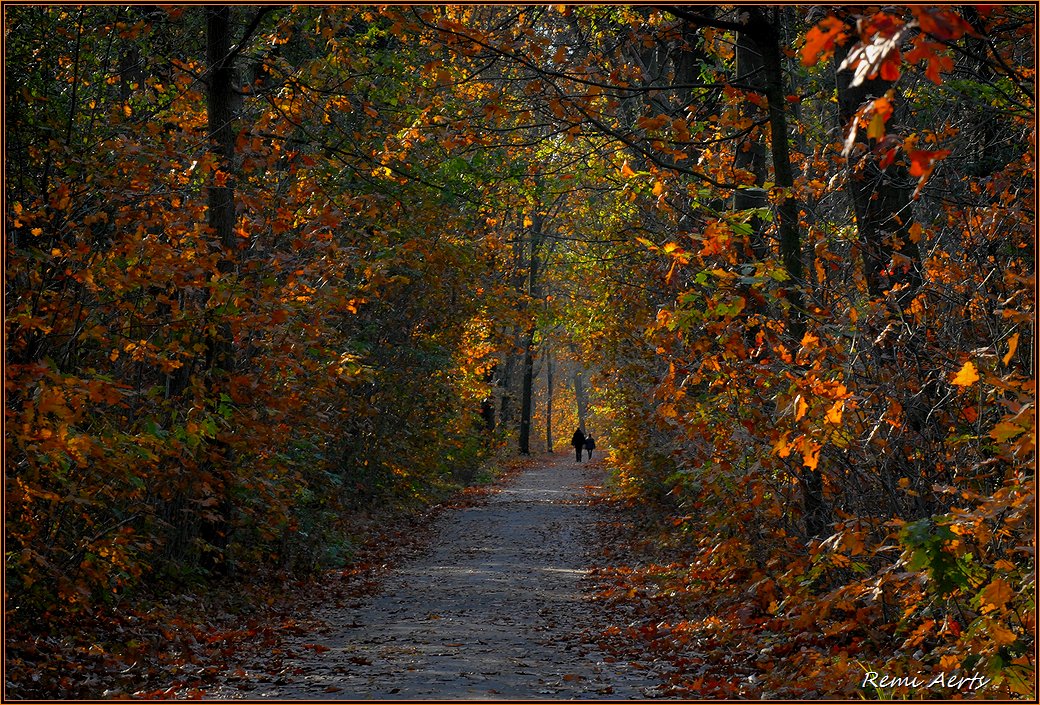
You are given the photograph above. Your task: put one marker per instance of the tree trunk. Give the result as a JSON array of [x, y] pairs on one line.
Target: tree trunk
[[765, 35], [762, 30], [751, 154], [527, 385], [505, 382], [215, 529], [581, 397], [533, 289], [880, 197], [548, 401], [219, 97]]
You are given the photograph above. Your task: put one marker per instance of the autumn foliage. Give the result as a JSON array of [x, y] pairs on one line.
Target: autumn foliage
[[271, 269]]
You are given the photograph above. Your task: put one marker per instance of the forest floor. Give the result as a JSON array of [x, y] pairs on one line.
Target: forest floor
[[497, 604]]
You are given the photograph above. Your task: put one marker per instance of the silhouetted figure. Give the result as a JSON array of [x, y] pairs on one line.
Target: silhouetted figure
[[578, 441], [590, 445]]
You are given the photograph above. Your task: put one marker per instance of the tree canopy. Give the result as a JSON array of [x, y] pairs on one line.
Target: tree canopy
[[268, 268]]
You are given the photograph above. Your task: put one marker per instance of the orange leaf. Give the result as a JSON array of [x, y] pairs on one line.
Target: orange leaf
[[626, 170], [967, 376], [1001, 635], [834, 413], [801, 408], [820, 40], [811, 456], [1012, 346], [995, 595]]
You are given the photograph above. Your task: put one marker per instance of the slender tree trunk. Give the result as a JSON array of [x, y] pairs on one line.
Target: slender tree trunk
[[221, 218], [581, 397], [527, 385], [548, 401], [533, 288], [764, 32], [751, 153], [506, 381]]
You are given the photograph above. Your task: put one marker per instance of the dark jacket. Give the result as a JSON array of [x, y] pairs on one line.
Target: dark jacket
[[578, 439], [589, 443]]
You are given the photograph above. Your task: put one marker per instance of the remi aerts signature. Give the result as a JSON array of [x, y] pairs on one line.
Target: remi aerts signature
[[952, 681]]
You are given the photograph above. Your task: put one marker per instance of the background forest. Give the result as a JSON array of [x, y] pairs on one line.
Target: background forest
[[269, 269]]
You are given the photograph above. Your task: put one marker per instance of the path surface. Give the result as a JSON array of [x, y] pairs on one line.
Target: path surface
[[492, 610]]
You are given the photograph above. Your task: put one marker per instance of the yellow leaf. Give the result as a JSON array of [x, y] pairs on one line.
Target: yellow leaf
[[658, 188], [967, 376], [995, 595], [876, 128], [1012, 346], [528, 222], [626, 171]]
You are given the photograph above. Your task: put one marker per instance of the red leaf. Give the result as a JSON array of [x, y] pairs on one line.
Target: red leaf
[[940, 22], [922, 161], [890, 66]]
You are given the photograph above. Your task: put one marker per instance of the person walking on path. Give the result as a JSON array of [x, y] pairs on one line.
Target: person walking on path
[[578, 441], [589, 445]]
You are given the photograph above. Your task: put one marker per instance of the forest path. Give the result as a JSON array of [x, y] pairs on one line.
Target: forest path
[[493, 609]]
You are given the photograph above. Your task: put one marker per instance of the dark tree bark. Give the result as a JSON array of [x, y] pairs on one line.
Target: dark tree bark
[[219, 99], [215, 530], [548, 401], [880, 197], [764, 32], [751, 153], [534, 291]]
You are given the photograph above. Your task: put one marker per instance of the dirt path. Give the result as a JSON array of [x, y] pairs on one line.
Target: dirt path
[[492, 610]]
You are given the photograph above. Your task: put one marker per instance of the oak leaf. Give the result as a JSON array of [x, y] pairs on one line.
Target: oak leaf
[[967, 376]]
